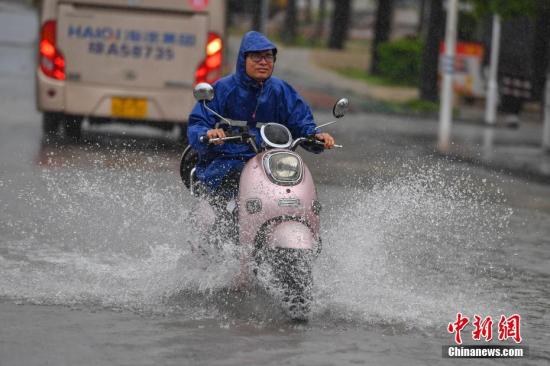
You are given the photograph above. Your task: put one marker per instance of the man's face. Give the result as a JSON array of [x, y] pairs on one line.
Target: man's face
[[259, 65]]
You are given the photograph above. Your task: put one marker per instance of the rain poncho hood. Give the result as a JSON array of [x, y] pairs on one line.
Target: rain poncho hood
[[242, 99], [251, 42]]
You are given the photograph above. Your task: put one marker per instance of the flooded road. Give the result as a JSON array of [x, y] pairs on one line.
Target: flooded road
[[95, 267]]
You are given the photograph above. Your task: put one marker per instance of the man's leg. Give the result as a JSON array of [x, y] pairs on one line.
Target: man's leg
[[225, 225]]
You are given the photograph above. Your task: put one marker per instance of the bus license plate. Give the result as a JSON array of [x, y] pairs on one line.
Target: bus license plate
[[129, 107]]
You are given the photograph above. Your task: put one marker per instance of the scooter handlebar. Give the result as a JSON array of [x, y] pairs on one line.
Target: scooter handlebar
[[206, 140], [321, 143]]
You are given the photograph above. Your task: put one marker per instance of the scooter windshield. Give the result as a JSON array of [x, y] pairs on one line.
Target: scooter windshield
[[276, 135]]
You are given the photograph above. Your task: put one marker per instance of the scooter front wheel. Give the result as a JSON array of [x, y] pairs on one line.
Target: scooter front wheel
[[291, 275]]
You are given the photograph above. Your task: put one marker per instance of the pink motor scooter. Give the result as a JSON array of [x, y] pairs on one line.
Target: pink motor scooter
[[277, 211]]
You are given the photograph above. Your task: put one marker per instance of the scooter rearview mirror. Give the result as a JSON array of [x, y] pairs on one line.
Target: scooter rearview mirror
[[203, 92], [340, 108]]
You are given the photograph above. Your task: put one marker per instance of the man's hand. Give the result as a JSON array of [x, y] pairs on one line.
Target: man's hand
[[216, 133], [326, 138]]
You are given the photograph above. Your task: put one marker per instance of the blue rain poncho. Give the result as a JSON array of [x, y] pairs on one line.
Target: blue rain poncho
[[241, 98]]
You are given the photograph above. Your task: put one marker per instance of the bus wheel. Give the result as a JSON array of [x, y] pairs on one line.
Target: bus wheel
[[50, 123], [73, 127]]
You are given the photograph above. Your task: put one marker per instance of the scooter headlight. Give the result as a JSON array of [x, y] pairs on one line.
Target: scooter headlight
[[284, 168]]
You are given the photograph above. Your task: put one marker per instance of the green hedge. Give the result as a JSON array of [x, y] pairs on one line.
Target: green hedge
[[400, 61]]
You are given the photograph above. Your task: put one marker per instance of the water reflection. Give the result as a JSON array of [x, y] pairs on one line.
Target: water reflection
[[108, 149], [488, 147]]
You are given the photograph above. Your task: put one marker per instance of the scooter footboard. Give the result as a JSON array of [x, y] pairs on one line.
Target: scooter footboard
[[290, 234]]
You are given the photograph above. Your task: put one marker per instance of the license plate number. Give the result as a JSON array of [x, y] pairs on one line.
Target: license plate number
[[129, 107]]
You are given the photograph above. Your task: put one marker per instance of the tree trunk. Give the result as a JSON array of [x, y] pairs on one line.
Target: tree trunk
[[307, 18], [540, 49], [430, 54], [340, 24], [289, 32], [255, 10], [421, 28], [382, 30], [319, 27]]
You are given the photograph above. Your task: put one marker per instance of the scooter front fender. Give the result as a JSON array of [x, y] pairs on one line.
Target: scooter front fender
[[290, 234]]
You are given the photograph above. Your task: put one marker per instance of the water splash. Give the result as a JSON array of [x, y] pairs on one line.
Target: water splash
[[413, 250], [115, 239]]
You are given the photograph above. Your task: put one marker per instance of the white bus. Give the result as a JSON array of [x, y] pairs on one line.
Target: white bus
[[130, 61]]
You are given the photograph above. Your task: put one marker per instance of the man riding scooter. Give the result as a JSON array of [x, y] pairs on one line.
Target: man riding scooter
[[248, 97]]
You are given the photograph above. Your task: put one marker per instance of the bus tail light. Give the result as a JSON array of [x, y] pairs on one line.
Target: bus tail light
[[52, 62], [210, 68]]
